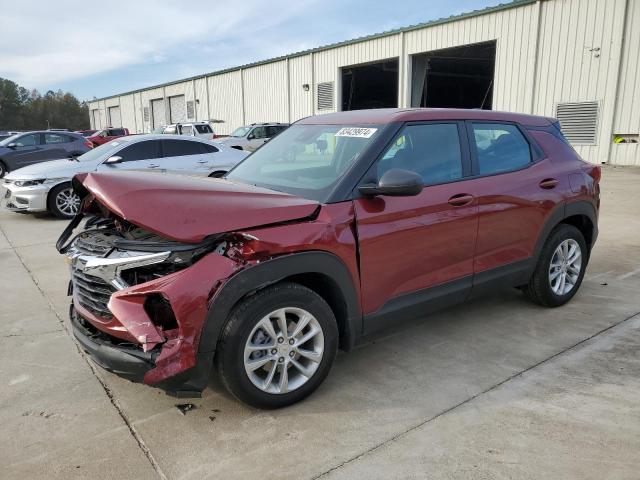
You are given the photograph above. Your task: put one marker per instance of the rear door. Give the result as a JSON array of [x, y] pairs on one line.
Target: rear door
[[138, 156], [514, 199], [183, 155], [419, 248], [57, 145]]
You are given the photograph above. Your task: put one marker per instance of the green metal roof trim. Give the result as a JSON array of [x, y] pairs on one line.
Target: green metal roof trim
[[418, 26]]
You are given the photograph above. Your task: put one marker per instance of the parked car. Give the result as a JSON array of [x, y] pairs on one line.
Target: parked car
[[5, 134], [193, 129], [86, 133], [47, 186], [105, 135], [342, 224], [23, 149], [253, 136]]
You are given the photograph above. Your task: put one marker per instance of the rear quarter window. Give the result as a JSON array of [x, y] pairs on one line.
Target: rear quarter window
[[500, 148]]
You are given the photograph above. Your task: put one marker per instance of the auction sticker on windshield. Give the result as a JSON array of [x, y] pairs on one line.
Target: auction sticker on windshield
[[356, 132]]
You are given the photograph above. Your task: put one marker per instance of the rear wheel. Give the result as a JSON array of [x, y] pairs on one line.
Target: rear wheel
[[278, 346], [63, 201], [560, 268]]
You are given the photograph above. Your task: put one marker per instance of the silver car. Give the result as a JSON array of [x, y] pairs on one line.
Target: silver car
[[47, 186], [253, 136]]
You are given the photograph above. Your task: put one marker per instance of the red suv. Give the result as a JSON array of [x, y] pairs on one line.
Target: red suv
[[105, 135], [340, 225]]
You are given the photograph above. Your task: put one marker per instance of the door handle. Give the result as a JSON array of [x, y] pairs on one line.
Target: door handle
[[461, 200], [201, 161], [153, 165], [548, 183]]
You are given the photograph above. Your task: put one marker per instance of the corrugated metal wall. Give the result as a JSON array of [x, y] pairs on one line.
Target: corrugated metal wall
[[547, 52], [579, 58], [627, 116]]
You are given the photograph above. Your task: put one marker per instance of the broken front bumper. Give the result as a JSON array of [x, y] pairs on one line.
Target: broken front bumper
[[129, 344], [129, 363]]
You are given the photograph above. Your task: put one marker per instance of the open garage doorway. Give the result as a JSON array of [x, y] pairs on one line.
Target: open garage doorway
[[460, 77], [374, 85]]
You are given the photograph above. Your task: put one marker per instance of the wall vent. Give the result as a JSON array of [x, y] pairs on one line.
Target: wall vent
[[325, 96], [145, 114], [579, 121]]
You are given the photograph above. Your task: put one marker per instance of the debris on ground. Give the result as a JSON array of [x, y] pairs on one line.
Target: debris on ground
[[185, 407]]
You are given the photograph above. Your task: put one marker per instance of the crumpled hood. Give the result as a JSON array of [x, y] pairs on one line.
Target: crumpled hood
[[188, 209], [51, 169]]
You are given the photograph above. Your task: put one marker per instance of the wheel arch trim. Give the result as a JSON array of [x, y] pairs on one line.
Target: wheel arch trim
[[561, 213], [273, 271]]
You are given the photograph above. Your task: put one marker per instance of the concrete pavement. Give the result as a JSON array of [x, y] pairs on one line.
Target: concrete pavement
[[492, 389]]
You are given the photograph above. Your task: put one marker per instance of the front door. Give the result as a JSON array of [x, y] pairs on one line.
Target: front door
[[138, 156], [416, 249], [28, 150]]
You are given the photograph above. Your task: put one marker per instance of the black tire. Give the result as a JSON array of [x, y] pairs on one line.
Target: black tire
[[3, 169], [539, 288], [51, 201], [230, 353]]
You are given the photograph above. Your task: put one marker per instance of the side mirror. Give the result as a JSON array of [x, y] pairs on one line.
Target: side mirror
[[12, 145], [112, 160], [395, 183], [251, 136]]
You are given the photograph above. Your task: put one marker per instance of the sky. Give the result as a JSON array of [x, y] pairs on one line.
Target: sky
[[104, 48]]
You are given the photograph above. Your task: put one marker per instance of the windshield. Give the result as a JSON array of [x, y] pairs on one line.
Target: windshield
[[240, 132], [10, 139], [101, 152], [305, 160]]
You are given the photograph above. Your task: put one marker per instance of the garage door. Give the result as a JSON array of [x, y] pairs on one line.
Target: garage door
[[177, 109], [157, 112], [96, 119], [114, 117]]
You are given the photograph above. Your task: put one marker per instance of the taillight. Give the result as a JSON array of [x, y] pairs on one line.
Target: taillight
[[88, 144], [214, 136], [595, 172]]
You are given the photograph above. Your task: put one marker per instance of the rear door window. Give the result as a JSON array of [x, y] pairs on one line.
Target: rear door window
[[500, 148], [203, 128], [431, 150], [179, 148], [51, 138], [140, 151]]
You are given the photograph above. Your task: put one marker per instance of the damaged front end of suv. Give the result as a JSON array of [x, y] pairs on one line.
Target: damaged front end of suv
[[139, 298]]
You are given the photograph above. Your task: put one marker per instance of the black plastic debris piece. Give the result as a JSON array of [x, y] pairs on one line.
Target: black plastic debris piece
[[185, 407]]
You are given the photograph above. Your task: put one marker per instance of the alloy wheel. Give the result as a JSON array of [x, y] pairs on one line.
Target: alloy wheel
[[284, 350], [565, 267], [68, 202]]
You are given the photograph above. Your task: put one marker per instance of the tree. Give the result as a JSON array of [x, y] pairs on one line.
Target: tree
[[21, 109]]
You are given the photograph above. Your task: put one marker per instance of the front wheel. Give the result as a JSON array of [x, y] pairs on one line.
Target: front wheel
[[63, 201], [3, 169], [277, 346], [560, 268]]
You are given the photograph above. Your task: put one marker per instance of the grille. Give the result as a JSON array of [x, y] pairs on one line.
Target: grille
[[93, 293], [95, 245]]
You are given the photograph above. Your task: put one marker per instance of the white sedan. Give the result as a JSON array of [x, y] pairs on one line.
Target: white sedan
[[47, 186]]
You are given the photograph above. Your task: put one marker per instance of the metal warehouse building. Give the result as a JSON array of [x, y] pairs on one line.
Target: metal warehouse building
[[577, 60]]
